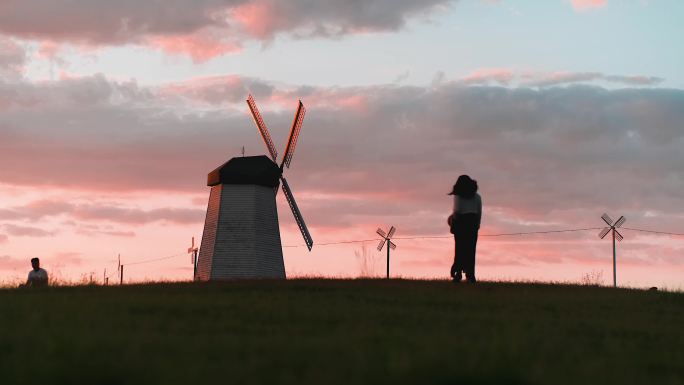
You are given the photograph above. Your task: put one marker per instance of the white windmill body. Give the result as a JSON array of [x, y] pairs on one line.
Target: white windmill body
[[241, 236]]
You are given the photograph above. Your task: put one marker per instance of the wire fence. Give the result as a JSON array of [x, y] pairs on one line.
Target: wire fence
[[523, 233]]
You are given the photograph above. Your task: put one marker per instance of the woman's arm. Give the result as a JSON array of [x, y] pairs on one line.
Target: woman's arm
[[479, 212]]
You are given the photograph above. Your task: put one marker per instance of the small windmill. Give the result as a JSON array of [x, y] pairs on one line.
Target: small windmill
[[192, 250], [390, 245], [612, 227], [241, 236]]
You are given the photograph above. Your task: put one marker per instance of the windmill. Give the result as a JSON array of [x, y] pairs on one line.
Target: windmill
[[390, 244], [241, 236], [612, 227], [192, 250]]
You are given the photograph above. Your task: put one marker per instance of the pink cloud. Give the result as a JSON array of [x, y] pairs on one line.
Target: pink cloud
[[498, 75], [12, 59], [582, 5], [27, 231], [259, 19], [201, 47], [98, 212], [10, 263], [69, 258]]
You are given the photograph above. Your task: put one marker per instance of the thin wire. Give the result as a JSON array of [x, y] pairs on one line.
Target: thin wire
[[431, 237], [653, 231], [152, 260], [335, 243], [541, 232], [451, 236]]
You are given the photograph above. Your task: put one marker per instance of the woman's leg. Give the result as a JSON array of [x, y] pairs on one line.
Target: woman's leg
[[456, 266], [469, 258], [468, 245], [474, 251]]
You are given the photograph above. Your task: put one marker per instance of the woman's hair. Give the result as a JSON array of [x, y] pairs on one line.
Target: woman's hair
[[465, 187]]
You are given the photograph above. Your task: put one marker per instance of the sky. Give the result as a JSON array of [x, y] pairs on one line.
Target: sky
[[113, 113]]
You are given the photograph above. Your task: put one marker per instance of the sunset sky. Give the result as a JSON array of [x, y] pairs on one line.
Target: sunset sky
[[113, 112]]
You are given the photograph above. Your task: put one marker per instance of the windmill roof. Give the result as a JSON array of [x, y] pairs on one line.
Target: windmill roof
[[258, 170]]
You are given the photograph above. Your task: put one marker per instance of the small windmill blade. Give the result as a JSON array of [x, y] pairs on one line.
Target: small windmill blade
[[381, 244], [604, 232], [192, 246], [294, 135], [392, 245], [391, 231], [607, 219], [381, 233], [620, 222], [618, 236], [297, 214], [259, 121]]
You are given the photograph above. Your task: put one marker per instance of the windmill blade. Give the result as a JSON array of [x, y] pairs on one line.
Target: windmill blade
[[618, 236], [391, 231], [620, 221], [381, 233], [603, 232], [259, 121], [297, 214], [607, 219], [294, 135], [392, 245], [381, 244]]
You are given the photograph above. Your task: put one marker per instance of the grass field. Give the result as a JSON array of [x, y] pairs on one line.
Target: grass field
[[341, 332]]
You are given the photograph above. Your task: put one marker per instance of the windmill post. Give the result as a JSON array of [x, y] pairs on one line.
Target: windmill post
[[390, 245], [192, 250], [612, 227]]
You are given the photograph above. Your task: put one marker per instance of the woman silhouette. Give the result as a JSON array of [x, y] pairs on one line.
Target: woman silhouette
[[465, 223]]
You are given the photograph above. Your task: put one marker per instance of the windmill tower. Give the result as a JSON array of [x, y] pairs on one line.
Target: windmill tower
[[241, 236]]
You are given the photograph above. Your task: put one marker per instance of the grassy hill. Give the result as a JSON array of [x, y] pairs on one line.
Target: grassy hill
[[341, 332]]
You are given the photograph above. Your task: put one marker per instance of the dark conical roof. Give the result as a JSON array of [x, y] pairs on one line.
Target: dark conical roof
[[259, 170]]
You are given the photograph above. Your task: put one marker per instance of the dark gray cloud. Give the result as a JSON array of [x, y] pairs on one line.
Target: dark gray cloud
[[134, 21], [219, 89], [585, 77], [506, 77], [544, 157]]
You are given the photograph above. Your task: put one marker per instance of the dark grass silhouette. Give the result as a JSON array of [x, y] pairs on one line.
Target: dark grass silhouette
[[341, 332]]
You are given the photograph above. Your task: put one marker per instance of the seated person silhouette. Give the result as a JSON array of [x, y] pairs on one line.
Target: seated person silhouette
[[37, 277]]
